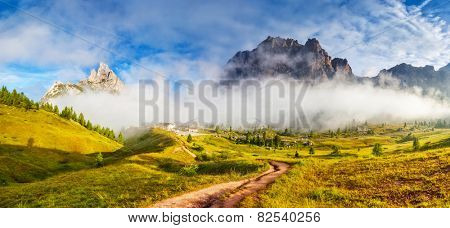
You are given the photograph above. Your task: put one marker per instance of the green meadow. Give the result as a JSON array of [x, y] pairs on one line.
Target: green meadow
[[54, 172], [49, 161]]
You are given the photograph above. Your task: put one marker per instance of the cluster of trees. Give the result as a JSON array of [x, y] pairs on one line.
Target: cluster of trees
[[17, 99], [433, 124], [348, 131], [261, 139], [69, 114], [21, 101], [442, 124]]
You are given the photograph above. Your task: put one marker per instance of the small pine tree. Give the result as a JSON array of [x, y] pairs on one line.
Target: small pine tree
[[277, 141], [189, 138], [99, 160], [120, 138], [89, 125], [416, 144], [81, 120], [297, 155], [56, 110], [377, 149], [27, 104], [311, 151]]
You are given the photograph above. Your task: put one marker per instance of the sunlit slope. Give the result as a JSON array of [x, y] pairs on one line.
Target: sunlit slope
[[41, 129], [157, 144], [152, 166]]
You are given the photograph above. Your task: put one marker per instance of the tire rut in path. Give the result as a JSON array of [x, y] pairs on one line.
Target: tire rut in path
[[227, 194]]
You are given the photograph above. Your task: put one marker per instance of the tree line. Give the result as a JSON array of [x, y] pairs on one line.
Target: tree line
[[17, 99], [20, 100]]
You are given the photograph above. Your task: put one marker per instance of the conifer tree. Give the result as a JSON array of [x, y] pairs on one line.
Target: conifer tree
[[120, 138], [416, 144], [377, 149], [89, 125], [81, 120], [311, 151]]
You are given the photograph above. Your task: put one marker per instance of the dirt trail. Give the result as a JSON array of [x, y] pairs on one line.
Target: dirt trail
[[227, 194]]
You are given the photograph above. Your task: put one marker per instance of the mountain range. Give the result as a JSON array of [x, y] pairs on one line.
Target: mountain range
[[277, 56]]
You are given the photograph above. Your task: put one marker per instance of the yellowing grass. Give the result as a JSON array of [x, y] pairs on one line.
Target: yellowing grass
[[46, 130], [416, 179]]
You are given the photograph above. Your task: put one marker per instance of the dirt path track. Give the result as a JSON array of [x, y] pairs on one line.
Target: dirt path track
[[227, 194]]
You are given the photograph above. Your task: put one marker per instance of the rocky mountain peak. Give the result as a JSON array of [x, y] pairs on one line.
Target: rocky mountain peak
[[104, 73], [342, 66], [278, 42], [101, 80], [285, 56], [313, 45]]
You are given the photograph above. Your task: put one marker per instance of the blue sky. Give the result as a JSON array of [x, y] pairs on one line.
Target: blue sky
[[45, 41]]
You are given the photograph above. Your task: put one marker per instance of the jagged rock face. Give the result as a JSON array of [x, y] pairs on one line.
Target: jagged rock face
[[61, 89], [341, 66], [278, 56], [408, 76], [102, 80]]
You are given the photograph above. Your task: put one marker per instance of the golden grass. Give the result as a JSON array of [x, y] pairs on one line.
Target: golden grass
[[49, 131]]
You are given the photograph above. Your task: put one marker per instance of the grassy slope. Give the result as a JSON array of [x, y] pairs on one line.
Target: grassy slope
[[399, 178], [147, 170], [49, 131], [58, 145], [152, 167]]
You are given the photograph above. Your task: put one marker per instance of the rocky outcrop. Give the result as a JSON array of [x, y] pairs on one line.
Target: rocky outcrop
[[277, 56], [102, 80]]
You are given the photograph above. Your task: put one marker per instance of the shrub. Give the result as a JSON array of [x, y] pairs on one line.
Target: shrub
[[241, 167], [203, 157], [99, 160], [407, 138], [296, 154], [189, 138], [377, 149], [197, 148], [416, 144], [190, 170], [335, 150], [311, 151]]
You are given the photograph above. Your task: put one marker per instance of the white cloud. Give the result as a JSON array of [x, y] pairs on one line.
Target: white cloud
[[38, 44], [213, 32]]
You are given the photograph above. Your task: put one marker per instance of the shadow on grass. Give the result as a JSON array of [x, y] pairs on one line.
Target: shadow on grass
[[24, 164], [334, 156]]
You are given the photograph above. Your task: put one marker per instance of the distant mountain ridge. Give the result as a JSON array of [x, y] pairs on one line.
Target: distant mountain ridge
[[310, 62], [101, 80], [407, 76]]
